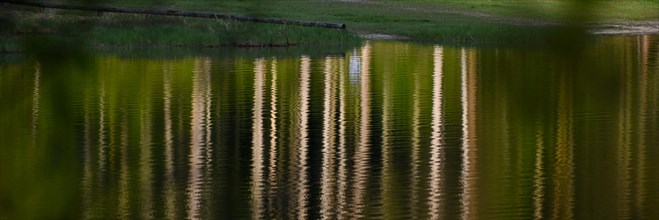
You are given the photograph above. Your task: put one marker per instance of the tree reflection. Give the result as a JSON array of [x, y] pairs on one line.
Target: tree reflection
[[110, 133]]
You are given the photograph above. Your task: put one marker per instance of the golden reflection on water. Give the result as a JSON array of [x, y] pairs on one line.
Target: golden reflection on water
[[362, 157], [631, 151], [272, 166], [538, 178], [331, 149], [257, 139], [303, 150], [417, 190], [145, 161], [199, 138], [170, 193], [329, 134], [645, 107], [386, 136], [564, 166], [468, 177], [87, 175], [624, 142], [102, 147], [436, 198], [416, 144], [342, 206]]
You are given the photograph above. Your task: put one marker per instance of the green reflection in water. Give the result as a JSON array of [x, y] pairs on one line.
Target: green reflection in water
[[389, 129]]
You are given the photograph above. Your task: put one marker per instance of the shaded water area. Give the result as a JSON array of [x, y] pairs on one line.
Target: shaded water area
[[386, 130]]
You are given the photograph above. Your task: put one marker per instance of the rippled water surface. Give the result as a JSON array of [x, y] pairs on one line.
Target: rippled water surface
[[386, 130]]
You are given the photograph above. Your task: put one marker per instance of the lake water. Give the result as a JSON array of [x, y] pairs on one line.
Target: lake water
[[386, 130]]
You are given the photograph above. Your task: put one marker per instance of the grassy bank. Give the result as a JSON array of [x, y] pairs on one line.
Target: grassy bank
[[596, 10], [112, 30], [460, 21], [472, 21]]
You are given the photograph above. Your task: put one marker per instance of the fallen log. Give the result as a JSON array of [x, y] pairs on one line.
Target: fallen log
[[101, 9]]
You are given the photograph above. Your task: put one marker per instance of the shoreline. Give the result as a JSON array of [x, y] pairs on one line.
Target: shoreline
[[414, 21]]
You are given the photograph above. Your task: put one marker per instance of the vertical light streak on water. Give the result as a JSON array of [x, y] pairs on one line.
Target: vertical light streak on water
[[272, 167], [305, 68], [415, 197], [437, 179], [257, 140], [199, 143], [36, 96], [102, 148], [329, 112], [124, 175], [87, 176], [342, 203], [538, 177], [35, 104], [564, 165], [114, 121], [362, 157], [386, 136], [145, 161], [170, 193], [468, 176], [644, 49], [207, 143], [623, 154], [195, 159], [208, 126]]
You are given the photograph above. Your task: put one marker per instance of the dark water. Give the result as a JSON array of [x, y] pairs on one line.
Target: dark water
[[388, 130]]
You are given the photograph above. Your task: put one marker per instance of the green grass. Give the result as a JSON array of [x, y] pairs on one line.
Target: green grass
[[600, 10], [112, 30], [203, 34], [435, 20], [453, 21]]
